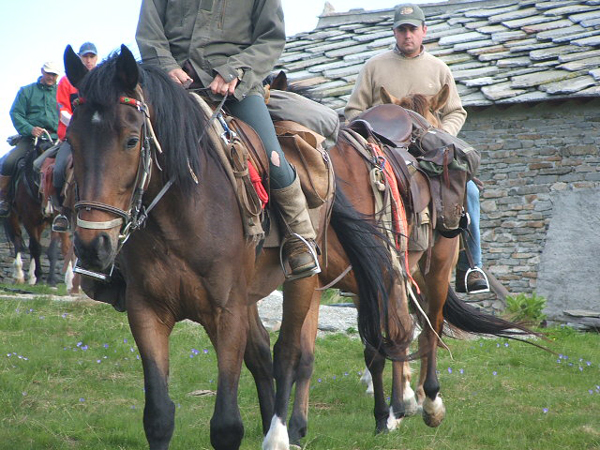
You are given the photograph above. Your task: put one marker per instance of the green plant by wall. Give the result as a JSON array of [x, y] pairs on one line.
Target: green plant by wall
[[525, 308]]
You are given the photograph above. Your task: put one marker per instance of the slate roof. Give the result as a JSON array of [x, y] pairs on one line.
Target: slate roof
[[500, 52]]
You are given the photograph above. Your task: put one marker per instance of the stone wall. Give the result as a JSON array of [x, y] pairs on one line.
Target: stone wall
[[532, 156]]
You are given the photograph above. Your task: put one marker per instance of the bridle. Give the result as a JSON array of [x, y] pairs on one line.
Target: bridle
[[134, 217]]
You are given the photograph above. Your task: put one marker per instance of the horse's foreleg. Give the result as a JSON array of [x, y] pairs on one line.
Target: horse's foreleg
[[18, 274], [436, 281], [258, 360], [299, 418], [52, 254], [35, 266], [229, 337], [403, 401], [297, 297], [151, 334]]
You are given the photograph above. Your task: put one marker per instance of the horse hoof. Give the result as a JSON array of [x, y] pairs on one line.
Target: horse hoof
[[433, 412]]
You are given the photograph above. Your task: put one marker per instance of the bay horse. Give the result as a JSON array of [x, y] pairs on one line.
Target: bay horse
[[27, 210], [437, 298], [154, 197]]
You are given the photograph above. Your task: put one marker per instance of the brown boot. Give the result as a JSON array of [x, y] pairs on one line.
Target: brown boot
[[299, 245], [4, 200]]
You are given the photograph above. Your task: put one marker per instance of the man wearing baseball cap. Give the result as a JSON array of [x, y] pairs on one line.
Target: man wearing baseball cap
[[65, 96], [33, 114], [409, 69]]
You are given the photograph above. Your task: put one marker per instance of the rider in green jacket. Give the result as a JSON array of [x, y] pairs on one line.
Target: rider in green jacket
[[33, 113]]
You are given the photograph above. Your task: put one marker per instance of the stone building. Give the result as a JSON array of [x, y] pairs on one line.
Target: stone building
[[528, 73]]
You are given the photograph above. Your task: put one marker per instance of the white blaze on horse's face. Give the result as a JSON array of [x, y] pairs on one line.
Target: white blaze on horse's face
[[96, 118]]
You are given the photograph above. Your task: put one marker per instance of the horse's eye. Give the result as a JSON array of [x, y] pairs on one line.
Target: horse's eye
[[132, 142]]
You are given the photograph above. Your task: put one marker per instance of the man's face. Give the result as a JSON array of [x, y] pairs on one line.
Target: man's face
[[410, 38], [89, 60], [48, 79]]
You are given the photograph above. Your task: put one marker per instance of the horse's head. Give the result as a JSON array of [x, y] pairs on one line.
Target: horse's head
[[106, 134], [426, 105]]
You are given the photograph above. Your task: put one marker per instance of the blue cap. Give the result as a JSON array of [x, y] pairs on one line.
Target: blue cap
[[87, 47]]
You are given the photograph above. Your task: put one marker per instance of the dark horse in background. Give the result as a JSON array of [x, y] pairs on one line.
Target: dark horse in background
[[27, 210], [153, 196]]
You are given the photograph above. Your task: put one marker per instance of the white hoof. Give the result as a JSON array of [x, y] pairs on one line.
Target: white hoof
[[18, 274], [433, 411], [410, 401], [32, 277], [393, 422], [277, 438]]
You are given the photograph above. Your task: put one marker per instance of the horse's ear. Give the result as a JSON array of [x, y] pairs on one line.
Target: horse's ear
[[440, 99], [127, 70], [280, 82], [386, 97], [74, 68]]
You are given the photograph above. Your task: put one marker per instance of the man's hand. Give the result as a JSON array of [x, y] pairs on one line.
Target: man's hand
[[219, 86], [180, 77], [37, 131]]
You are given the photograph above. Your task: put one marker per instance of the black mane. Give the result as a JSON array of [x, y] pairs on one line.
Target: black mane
[[176, 118]]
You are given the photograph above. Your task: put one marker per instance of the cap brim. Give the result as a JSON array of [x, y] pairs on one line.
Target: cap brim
[[414, 23], [89, 52]]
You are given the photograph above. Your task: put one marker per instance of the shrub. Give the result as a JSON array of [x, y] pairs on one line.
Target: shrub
[[524, 308]]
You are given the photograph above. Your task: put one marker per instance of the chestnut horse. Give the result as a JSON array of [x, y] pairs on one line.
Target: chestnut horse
[[27, 211], [155, 198], [437, 298]]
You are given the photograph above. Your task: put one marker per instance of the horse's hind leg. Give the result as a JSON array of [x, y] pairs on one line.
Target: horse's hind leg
[[375, 362], [299, 418], [258, 360], [287, 352], [151, 334]]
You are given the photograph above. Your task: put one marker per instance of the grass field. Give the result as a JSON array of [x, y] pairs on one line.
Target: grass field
[[70, 378]]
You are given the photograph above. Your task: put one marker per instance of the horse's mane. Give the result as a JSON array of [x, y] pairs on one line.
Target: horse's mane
[[416, 102], [176, 118]]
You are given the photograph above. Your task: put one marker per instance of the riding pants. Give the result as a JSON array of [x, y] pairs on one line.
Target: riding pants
[[474, 238], [9, 165], [253, 111], [60, 165]]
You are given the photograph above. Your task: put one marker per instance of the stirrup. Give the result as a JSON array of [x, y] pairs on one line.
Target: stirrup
[[282, 259], [59, 229], [487, 282]]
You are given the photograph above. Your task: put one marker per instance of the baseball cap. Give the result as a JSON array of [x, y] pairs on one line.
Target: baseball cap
[[51, 67], [408, 14], [87, 47]]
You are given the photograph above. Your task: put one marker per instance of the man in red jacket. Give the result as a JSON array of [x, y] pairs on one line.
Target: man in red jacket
[[65, 95]]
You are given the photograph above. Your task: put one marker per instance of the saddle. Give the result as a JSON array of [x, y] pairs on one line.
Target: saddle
[[389, 123]]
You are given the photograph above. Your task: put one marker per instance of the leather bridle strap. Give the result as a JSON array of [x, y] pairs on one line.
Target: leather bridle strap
[[106, 225]]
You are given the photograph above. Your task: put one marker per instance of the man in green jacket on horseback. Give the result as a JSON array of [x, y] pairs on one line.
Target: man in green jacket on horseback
[[227, 49], [33, 114]]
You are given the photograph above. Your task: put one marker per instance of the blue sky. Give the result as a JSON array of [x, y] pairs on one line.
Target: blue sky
[[34, 31]]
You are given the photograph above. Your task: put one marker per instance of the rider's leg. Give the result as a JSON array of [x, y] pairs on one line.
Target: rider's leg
[[9, 165], [61, 221], [475, 282], [286, 190]]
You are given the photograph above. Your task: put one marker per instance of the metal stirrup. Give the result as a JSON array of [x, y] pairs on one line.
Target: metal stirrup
[[307, 273]]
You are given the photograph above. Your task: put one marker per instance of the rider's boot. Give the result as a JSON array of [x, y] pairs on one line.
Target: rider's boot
[[4, 200], [299, 244]]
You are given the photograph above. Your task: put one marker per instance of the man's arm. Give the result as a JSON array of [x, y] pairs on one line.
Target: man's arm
[[150, 35], [18, 114], [361, 98], [453, 115]]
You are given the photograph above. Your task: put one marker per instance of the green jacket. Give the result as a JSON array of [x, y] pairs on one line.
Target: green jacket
[[233, 38], [35, 106]]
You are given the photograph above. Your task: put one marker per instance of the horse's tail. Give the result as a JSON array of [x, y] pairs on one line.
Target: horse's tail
[[381, 323], [472, 320]]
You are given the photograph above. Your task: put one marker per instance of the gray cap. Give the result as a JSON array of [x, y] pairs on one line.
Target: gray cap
[[408, 14], [87, 47]]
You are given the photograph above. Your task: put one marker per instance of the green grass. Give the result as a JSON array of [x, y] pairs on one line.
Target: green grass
[[73, 380]]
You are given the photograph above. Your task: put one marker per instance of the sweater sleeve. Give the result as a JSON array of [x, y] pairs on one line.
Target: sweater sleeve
[[361, 98], [150, 35], [453, 114]]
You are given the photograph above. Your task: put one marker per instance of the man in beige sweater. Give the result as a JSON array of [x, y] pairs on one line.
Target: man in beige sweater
[[409, 69]]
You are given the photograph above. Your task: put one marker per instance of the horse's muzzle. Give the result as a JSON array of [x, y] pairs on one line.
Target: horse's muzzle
[[96, 254]]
